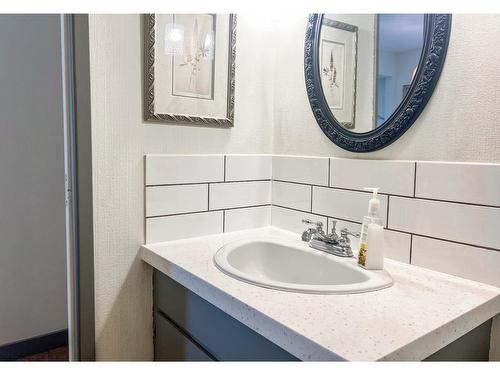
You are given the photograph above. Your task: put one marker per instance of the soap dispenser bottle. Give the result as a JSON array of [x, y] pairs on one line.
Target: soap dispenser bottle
[[371, 243]]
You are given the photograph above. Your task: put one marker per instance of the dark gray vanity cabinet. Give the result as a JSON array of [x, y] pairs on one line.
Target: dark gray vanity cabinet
[[188, 328], [171, 343]]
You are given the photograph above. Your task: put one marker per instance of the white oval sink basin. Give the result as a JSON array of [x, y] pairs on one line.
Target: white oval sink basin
[[293, 266]]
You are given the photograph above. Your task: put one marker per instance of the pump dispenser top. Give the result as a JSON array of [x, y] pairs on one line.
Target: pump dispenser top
[[374, 204]]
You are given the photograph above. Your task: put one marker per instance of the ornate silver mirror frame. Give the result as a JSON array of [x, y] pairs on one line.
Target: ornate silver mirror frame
[[151, 115]]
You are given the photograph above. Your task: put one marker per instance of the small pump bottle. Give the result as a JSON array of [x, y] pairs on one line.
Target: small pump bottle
[[371, 243]]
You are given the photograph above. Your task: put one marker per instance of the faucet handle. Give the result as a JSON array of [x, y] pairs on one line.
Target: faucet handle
[[319, 224], [308, 233], [345, 242], [334, 224], [345, 232]]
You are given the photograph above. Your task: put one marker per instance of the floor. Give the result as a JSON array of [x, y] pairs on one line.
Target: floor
[[58, 354]]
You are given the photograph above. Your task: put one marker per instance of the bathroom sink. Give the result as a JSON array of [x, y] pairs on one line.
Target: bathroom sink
[[293, 266]]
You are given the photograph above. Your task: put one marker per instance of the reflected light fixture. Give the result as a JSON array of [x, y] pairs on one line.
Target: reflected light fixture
[[174, 39], [209, 46]]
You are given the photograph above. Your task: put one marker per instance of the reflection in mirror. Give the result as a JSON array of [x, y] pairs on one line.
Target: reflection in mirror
[[399, 46], [367, 63]]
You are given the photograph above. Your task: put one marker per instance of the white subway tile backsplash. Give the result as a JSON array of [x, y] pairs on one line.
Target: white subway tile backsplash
[[392, 177], [291, 220], [344, 204], [475, 225], [460, 260], [291, 195], [183, 169], [196, 184], [175, 199], [248, 167], [239, 194], [397, 245], [308, 170], [247, 218], [459, 182], [168, 228]]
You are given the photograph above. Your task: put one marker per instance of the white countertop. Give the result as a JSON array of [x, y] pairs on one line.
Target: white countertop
[[421, 313]]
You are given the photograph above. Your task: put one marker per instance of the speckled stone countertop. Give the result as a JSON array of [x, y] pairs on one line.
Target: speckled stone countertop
[[421, 313]]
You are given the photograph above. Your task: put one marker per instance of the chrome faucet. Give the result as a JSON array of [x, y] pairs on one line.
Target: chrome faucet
[[330, 243], [318, 233]]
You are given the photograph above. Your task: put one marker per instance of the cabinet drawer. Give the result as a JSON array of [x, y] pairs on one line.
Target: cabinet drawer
[[172, 345], [224, 337]]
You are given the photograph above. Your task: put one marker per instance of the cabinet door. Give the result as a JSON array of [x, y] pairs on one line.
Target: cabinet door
[[221, 335], [172, 345]]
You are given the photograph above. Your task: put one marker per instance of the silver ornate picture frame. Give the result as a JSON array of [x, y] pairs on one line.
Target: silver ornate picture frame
[[152, 112]]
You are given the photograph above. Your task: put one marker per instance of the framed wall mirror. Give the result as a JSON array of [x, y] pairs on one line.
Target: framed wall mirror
[[189, 62], [369, 76]]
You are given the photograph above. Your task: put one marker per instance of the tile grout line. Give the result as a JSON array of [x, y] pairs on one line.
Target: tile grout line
[[338, 188], [223, 221], [415, 180], [387, 213], [329, 173], [299, 183], [316, 214], [225, 168], [311, 199], [444, 239], [208, 198], [144, 204], [393, 195], [450, 241], [207, 182], [394, 230], [214, 210], [411, 247]]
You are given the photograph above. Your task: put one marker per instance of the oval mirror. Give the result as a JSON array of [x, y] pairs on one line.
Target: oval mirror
[[369, 76]]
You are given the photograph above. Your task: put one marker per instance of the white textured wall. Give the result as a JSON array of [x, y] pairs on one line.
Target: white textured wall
[[121, 138], [459, 123], [32, 210]]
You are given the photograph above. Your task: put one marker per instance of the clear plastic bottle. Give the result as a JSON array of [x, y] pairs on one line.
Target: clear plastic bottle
[[373, 218]]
